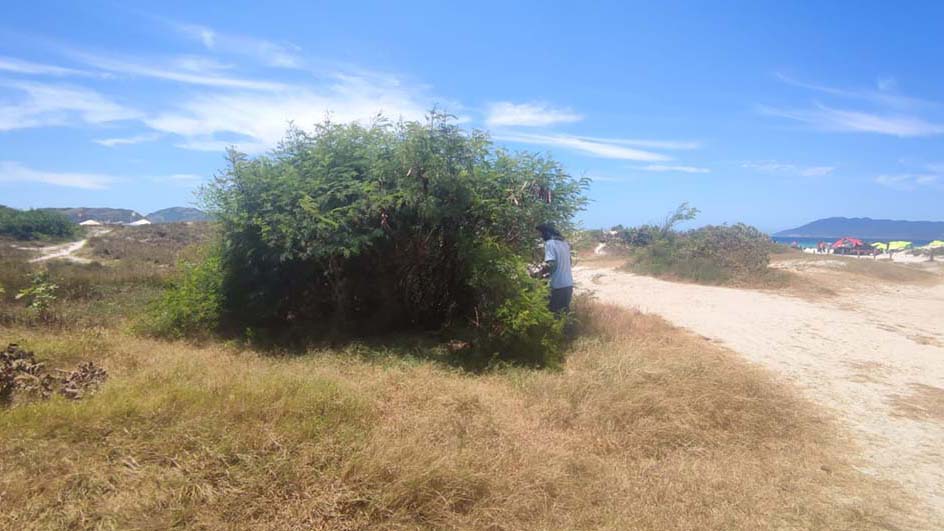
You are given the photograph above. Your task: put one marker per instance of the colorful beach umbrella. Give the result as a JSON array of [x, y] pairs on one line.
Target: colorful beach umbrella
[[847, 242], [899, 246]]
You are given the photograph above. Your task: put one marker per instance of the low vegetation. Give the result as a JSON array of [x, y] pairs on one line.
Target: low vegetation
[[715, 254], [642, 426], [161, 244], [648, 427], [35, 224]]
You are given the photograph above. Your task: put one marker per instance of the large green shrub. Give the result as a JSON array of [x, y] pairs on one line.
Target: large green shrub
[[35, 224], [357, 230]]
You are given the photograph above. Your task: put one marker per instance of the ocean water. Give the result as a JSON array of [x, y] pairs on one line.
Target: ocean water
[[811, 242]]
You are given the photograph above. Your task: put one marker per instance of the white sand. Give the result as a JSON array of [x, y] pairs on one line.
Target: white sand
[[853, 354], [65, 251]]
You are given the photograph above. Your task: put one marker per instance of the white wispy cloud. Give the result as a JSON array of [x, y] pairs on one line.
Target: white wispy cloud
[[19, 66], [885, 93], [886, 111], [785, 169], [535, 114], [175, 69], [816, 171], [259, 120], [136, 139], [652, 144], [909, 182], [830, 119], [12, 171], [669, 168], [269, 53], [606, 178], [609, 150], [42, 105], [15, 172], [186, 180]]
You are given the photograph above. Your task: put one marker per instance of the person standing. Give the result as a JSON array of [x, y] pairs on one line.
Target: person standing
[[557, 260]]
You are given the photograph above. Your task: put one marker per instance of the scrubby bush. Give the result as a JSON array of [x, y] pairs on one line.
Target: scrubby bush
[[714, 254], [357, 230], [39, 295], [35, 224], [192, 307]]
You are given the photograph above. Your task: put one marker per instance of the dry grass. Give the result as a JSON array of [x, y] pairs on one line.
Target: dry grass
[[647, 427], [844, 270], [925, 402], [160, 244]]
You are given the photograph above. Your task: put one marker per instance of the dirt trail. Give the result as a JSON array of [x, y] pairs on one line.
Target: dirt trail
[[876, 358], [65, 251]]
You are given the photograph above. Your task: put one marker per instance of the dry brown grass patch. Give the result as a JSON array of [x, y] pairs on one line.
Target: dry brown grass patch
[[646, 427], [925, 403]]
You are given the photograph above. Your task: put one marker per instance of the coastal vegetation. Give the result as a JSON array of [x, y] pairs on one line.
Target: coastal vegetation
[[649, 426], [356, 343], [354, 231], [713, 254], [35, 224]]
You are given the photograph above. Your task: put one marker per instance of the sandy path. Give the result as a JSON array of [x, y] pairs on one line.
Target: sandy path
[[65, 251], [855, 354]]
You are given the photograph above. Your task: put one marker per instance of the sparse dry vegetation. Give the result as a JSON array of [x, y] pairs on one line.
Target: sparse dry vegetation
[[162, 244], [924, 402], [645, 427]]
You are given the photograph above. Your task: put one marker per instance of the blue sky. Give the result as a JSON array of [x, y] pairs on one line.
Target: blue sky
[[771, 113]]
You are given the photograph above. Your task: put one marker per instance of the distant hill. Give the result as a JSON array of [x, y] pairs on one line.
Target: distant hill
[[105, 215], [177, 214], [871, 229]]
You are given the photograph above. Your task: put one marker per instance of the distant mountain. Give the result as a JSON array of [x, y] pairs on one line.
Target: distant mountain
[[867, 228], [177, 214], [104, 215]]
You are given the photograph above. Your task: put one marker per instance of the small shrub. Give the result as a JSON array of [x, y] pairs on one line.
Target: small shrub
[[40, 295], [192, 306]]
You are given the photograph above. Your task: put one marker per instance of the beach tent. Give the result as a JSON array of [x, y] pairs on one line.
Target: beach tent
[[847, 242], [849, 245], [90, 223], [899, 246]]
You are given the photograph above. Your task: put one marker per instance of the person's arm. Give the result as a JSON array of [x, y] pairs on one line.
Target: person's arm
[[550, 256]]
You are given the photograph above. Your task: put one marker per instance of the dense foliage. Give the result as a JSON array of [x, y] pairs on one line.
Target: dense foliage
[[714, 254], [356, 230], [35, 224]]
